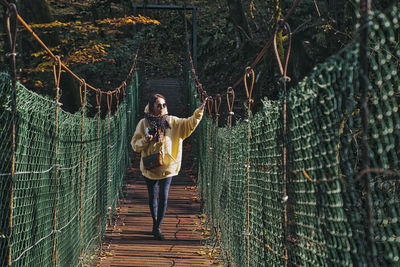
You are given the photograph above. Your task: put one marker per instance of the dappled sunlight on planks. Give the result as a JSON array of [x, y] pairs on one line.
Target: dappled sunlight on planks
[[129, 241]]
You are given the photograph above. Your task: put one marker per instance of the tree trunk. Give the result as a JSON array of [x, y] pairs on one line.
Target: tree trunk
[[238, 17], [4, 41], [35, 11]]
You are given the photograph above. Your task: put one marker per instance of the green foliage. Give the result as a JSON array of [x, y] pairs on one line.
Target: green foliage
[[164, 49], [99, 53]]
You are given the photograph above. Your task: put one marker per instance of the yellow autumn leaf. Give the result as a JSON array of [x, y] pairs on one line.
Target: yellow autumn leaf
[[38, 83], [206, 233], [201, 252]]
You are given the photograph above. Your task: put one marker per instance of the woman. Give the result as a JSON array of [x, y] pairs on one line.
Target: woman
[[161, 135]]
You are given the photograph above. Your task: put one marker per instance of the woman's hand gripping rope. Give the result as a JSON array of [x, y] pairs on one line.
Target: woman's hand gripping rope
[[204, 103]]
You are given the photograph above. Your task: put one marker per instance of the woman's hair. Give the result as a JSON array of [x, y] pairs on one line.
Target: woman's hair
[[153, 98]]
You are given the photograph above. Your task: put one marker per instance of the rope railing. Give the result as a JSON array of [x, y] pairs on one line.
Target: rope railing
[[61, 173], [68, 174], [287, 186]]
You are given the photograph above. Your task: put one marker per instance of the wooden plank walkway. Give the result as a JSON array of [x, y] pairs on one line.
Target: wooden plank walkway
[[130, 242]]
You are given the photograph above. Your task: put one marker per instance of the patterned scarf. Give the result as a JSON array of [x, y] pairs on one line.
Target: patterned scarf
[[159, 123]]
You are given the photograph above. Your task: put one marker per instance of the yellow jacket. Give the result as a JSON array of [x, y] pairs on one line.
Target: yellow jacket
[[171, 147]]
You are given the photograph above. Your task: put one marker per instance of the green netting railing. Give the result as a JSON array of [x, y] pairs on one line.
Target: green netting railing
[[325, 218], [59, 219]]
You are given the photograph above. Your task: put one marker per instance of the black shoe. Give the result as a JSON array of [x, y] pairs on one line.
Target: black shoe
[[157, 234], [155, 230]]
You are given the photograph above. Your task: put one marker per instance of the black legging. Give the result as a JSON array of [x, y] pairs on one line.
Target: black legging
[[158, 208]]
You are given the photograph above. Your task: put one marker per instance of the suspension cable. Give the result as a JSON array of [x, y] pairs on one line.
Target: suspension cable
[[270, 42], [12, 34], [285, 79], [19, 18]]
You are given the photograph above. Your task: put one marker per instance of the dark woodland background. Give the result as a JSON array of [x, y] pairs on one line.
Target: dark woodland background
[[230, 35]]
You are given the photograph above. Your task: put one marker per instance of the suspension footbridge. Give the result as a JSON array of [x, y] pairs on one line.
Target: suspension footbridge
[[311, 179]]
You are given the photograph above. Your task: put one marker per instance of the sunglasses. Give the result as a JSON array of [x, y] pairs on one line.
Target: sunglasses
[[162, 105]]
